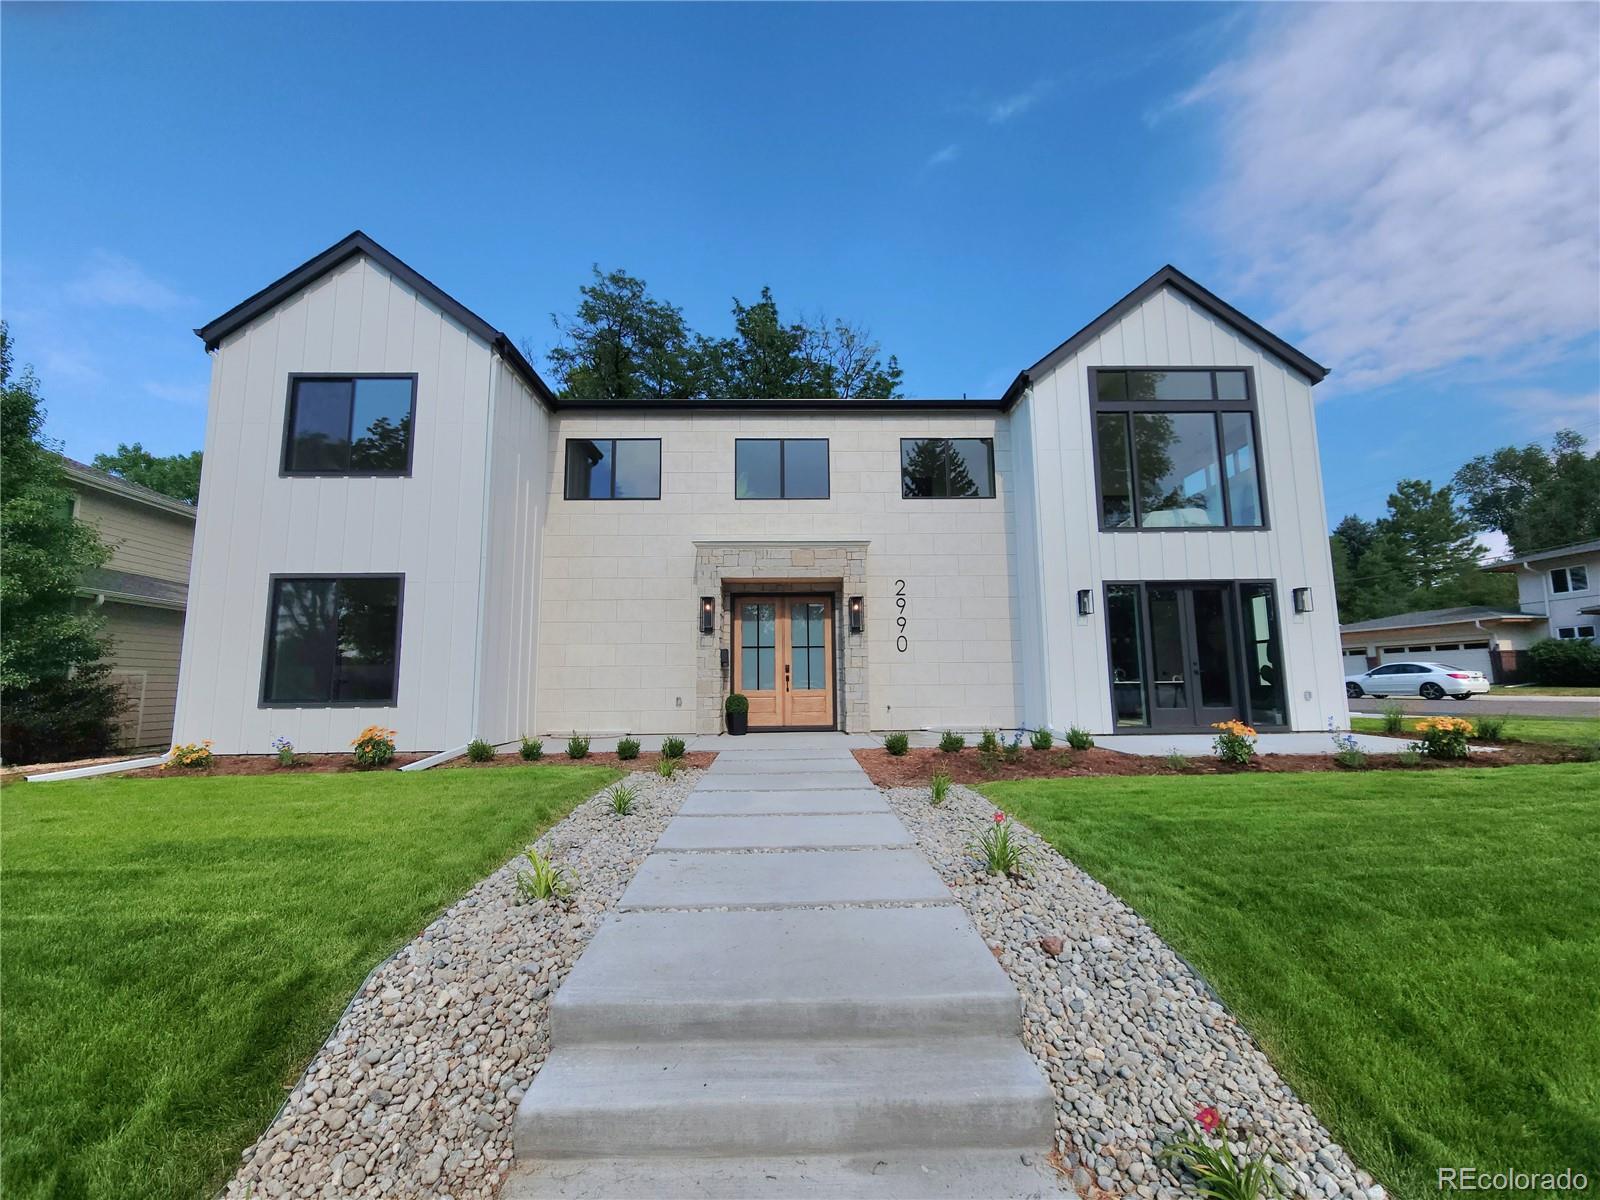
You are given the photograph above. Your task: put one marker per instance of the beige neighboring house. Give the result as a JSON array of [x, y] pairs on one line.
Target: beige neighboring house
[[142, 590]]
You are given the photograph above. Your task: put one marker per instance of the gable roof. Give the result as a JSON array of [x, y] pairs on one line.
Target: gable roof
[[1516, 560], [1439, 616], [104, 481], [340, 252], [1170, 276]]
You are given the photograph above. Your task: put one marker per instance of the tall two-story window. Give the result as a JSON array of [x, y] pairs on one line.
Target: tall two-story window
[[1176, 449], [780, 468], [1569, 579], [333, 640], [613, 469], [947, 468], [349, 425]]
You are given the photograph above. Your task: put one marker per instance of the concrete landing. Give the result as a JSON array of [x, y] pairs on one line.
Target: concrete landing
[[787, 1002]]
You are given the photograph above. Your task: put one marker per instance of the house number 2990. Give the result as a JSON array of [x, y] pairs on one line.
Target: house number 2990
[[900, 642]]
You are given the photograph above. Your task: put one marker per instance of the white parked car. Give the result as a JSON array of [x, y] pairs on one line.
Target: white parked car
[[1430, 680]]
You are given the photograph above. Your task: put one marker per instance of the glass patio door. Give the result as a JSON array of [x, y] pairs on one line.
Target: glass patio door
[[1191, 655]]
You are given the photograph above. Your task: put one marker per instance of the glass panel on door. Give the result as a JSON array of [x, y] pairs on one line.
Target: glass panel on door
[[758, 628], [1127, 654], [1214, 685], [808, 656], [1170, 674]]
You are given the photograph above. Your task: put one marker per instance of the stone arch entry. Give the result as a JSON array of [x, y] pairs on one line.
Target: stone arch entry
[[837, 569]]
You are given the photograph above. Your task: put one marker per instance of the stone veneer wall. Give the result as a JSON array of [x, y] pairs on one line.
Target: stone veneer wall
[[796, 568]]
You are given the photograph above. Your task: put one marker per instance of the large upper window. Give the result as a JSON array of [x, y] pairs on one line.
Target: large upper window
[[613, 469], [780, 468], [350, 425], [1569, 579], [946, 468], [333, 640], [1176, 449]]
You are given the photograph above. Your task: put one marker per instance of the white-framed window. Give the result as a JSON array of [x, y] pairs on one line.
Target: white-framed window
[[1568, 633], [1569, 579]]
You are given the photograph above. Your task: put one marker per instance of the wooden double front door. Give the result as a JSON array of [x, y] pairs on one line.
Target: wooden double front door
[[783, 660]]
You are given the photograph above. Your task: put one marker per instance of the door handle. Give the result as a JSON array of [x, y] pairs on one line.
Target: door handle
[[786, 677]]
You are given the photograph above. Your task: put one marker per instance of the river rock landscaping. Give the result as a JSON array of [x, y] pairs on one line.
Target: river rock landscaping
[[1132, 1041], [414, 1092]]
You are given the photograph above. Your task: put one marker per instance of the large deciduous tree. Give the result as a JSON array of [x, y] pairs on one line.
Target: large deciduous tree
[[57, 699], [1538, 498], [623, 343], [175, 475]]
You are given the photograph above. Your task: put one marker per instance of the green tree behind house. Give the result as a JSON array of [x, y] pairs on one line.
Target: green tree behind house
[[1538, 498], [175, 475]]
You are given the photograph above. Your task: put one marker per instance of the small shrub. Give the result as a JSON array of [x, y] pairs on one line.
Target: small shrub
[[1409, 758], [1345, 750], [622, 799], [1442, 737], [989, 760], [952, 742], [1571, 661], [897, 744], [1588, 751], [1220, 1173], [1177, 761], [1012, 750], [628, 748], [1492, 728], [191, 756], [1235, 742], [543, 880], [736, 704], [1394, 716], [285, 750], [479, 750], [532, 749], [940, 787], [672, 747], [667, 767], [1042, 739], [374, 746], [577, 747], [999, 851], [1079, 739], [990, 741]]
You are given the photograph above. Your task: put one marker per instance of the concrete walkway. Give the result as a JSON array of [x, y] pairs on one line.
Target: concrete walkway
[[788, 1002]]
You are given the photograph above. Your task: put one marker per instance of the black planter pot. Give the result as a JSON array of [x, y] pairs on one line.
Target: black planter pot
[[738, 723]]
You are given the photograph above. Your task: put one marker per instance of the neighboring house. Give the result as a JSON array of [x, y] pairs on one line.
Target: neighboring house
[[141, 591], [1562, 586], [402, 525], [1475, 638]]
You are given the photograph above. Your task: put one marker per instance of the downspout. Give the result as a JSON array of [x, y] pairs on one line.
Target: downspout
[[496, 364]]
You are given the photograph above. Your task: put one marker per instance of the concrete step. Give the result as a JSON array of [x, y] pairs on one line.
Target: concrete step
[[783, 832], [790, 781], [885, 1175], [783, 880], [782, 1098], [776, 803], [800, 973]]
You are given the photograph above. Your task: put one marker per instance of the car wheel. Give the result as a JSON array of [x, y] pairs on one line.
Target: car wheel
[[1462, 696], [1431, 691], [1353, 691]]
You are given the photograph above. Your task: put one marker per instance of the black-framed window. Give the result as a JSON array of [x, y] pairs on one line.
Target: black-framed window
[[333, 640], [1177, 449], [780, 468], [947, 468], [613, 469], [349, 424]]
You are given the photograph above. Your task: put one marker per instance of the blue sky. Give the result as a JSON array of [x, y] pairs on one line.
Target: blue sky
[[1410, 194]]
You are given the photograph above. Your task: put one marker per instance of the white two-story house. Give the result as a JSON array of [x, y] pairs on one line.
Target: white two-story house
[[401, 524]]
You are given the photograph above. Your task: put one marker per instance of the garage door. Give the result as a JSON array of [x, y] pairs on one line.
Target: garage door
[[1469, 656]]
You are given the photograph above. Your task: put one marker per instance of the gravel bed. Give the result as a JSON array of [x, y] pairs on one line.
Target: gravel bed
[[1132, 1040], [415, 1091]]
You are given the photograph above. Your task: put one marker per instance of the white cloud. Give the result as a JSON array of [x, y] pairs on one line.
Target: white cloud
[[1417, 185], [1493, 546], [1014, 105], [944, 155], [1543, 411], [115, 281]]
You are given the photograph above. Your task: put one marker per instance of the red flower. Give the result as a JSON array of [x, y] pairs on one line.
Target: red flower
[[1208, 1119], [999, 817]]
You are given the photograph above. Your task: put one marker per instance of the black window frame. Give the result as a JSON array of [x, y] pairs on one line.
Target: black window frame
[[285, 471], [1215, 407], [988, 442], [566, 469], [827, 468], [273, 580]]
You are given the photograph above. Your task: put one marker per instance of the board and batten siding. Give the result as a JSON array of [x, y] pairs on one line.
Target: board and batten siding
[[254, 523], [143, 539], [1071, 552], [618, 641]]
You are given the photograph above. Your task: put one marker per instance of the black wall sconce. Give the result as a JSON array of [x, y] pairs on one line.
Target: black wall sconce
[[1085, 602], [1302, 600], [708, 614], [858, 614]]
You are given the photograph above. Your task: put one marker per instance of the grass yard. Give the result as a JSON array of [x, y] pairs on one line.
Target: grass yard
[[1540, 689], [176, 950], [1417, 953], [1574, 730]]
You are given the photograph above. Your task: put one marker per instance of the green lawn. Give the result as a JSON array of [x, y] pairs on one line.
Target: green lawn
[[1577, 730], [1417, 953], [1540, 689], [176, 950]]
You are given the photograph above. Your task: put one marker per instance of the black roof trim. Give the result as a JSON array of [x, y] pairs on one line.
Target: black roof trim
[[359, 243], [1170, 276], [819, 404]]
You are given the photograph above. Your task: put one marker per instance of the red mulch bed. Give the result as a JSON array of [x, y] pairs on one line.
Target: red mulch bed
[[334, 764], [916, 767]]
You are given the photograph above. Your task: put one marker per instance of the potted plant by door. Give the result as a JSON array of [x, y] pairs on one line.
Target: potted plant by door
[[737, 708]]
